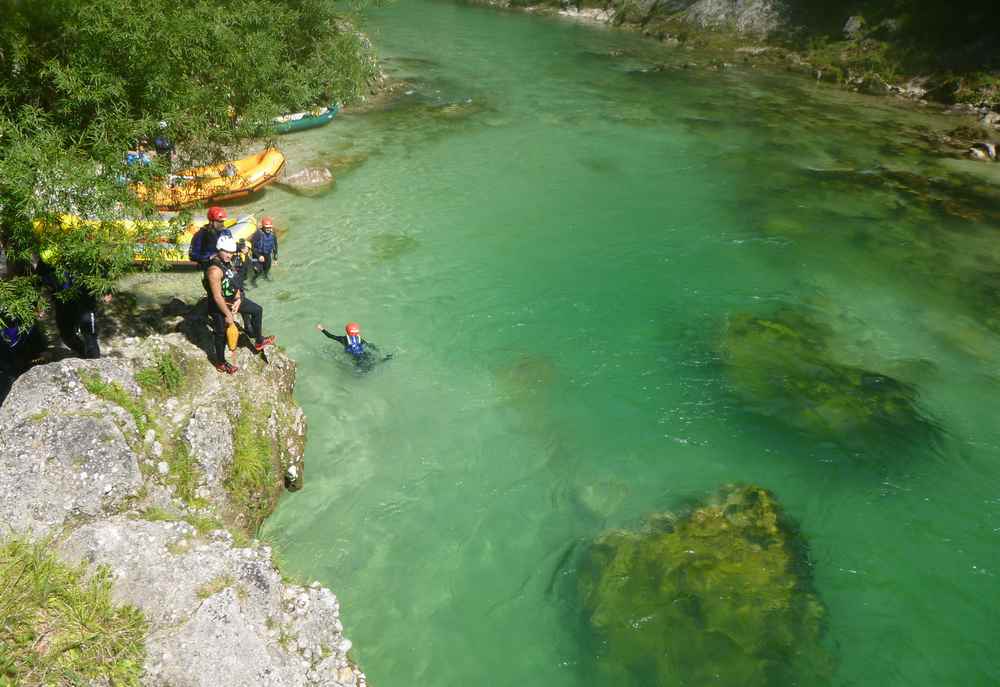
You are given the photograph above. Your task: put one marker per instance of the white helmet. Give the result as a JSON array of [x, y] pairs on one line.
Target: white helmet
[[226, 243]]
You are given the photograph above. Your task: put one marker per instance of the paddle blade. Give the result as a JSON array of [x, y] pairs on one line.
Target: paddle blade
[[232, 336]]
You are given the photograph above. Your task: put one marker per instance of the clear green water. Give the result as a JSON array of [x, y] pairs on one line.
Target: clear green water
[[550, 242]]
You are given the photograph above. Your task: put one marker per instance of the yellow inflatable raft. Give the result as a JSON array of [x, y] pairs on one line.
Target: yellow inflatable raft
[[175, 253], [216, 182]]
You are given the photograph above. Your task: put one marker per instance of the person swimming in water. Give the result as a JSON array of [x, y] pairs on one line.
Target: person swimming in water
[[365, 354]]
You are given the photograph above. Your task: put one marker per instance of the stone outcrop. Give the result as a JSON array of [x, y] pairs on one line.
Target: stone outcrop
[[310, 178], [745, 16], [65, 453], [218, 614], [153, 464]]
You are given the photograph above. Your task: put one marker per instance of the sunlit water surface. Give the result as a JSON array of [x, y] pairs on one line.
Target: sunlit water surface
[[550, 241]]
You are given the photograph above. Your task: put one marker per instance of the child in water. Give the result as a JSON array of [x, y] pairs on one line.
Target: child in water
[[362, 351]]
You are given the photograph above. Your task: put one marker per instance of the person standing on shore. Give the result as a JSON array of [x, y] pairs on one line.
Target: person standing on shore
[[75, 311], [203, 243], [226, 299], [265, 249]]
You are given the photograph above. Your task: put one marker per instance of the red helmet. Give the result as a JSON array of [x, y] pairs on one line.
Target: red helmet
[[353, 329], [217, 214], [266, 222]]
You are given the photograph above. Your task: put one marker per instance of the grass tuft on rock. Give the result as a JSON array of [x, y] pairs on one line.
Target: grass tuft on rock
[[214, 586], [184, 474], [112, 392], [202, 524], [59, 625], [163, 377], [251, 482]]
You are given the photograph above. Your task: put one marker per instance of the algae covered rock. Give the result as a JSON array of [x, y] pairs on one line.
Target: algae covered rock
[[782, 366], [720, 596]]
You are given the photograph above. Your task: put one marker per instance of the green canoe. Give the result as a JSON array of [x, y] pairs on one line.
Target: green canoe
[[300, 121]]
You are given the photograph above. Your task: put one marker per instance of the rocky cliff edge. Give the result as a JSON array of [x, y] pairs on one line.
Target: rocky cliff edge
[[151, 463]]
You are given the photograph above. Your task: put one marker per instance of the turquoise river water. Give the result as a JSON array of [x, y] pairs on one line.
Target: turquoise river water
[[550, 232]]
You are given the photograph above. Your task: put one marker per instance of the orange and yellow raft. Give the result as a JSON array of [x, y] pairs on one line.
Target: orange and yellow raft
[[224, 181]]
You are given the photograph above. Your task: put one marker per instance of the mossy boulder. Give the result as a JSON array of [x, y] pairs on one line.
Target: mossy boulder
[[719, 596], [782, 366]]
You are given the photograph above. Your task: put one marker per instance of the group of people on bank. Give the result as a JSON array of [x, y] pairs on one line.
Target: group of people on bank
[[226, 264]]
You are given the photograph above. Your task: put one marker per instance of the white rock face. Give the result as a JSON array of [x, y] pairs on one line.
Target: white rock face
[[219, 615], [746, 16], [63, 452], [310, 178]]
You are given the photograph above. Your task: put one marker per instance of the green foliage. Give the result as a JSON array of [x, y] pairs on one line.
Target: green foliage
[[214, 586], [163, 377], [20, 299], [251, 482], [184, 473], [82, 81], [60, 627], [112, 391], [202, 524]]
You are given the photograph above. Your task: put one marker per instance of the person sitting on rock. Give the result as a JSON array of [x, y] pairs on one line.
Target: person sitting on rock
[[203, 243], [361, 351], [265, 249], [226, 299]]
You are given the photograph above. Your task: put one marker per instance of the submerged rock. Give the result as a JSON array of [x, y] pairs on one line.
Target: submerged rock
[[309, 182], [721, 595], [781, 365]]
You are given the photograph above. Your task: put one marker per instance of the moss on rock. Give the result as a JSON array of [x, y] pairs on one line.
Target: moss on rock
[[721, 595], [782, 366]]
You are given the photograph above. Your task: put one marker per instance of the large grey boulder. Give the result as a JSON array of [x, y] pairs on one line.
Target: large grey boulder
[[218, 614], [759, 17], [94, 459], [65, 453], [854, 26]]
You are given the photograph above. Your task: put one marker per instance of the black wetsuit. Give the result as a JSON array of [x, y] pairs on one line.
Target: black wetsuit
[[231, 285], [76, 316], [369, 356], [265, 245], [203, 245]]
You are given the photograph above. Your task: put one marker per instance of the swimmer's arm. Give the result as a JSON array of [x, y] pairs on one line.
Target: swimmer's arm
[[327, 334]]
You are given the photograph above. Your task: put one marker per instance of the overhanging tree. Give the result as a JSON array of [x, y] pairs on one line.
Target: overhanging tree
[[82, 80]]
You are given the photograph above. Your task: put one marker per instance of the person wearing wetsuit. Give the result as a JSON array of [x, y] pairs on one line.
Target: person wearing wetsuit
[[265, 249], [203, 243], [226, 299], [363, 353], [76, 315], [241, 261], [18, 348]]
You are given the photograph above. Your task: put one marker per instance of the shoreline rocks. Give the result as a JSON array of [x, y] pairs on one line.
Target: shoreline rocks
[[136, 462]]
